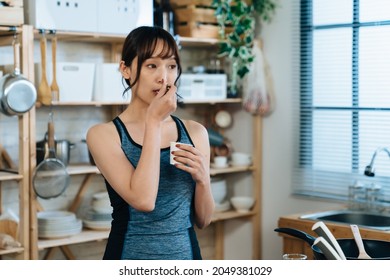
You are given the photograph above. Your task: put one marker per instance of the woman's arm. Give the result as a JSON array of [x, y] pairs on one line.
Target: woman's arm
[[139, 186]]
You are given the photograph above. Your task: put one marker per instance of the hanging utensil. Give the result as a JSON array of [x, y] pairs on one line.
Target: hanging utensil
[[17, 94], [55, 91], [359, 242], [44, 91], [322, 230], [50, 178]]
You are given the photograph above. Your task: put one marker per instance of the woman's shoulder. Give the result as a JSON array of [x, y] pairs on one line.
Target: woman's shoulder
[[194, 126], [101, 127], [196, 130], [100, 131]]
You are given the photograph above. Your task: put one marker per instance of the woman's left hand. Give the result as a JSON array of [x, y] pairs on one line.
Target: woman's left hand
[[191, 160]]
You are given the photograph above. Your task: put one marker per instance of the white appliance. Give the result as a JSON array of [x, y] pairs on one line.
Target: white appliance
[[69, 15], [98, 16], [122, 16], [202, 87]]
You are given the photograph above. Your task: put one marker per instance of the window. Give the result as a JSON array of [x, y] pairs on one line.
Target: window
[[343, 71]]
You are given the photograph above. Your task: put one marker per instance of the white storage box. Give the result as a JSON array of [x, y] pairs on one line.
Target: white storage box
[[122, 16], [202, 87], [69, 15], [108, 85], [75, 80]]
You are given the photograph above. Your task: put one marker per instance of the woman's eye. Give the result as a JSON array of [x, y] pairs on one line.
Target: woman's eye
[[173, 66], [151, 66]]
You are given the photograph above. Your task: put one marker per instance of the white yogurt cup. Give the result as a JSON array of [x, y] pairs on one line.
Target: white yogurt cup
[[174, 148]]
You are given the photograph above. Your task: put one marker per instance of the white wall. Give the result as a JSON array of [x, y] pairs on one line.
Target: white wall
[[278, 147]]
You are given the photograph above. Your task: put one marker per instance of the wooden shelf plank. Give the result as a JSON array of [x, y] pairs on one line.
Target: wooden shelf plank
[[84, 36], [82, 169], [190, 41], [217, 101], [84, 236], [11, 251], [228, 215], [232, 169], [7, 176], [89, 103]]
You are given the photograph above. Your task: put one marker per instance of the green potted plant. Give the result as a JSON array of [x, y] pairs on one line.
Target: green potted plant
[[236, 19]]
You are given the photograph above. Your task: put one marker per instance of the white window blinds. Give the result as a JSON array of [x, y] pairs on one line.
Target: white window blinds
[[342, 93]]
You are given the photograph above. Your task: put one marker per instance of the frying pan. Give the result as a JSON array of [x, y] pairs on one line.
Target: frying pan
[[377, 249], [61, 147], [17, 94]]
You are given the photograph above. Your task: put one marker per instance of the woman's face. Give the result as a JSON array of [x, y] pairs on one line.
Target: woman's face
[[156, 73]]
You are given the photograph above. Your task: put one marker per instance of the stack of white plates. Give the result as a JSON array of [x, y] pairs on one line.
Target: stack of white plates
[[98, 217], [58, 224], [98, 221], [101, 203]]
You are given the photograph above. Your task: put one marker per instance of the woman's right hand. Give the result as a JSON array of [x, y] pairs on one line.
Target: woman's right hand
[[164, 104]]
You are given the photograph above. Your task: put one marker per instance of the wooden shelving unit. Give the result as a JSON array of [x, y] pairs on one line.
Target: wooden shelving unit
[[24, 35]]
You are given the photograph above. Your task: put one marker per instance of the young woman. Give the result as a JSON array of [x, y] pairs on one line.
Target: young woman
[[155, 204]]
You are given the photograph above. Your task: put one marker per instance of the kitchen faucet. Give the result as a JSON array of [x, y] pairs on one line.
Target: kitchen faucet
[[369, 170]]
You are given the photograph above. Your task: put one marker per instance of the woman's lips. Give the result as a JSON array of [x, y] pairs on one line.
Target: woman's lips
[[156, 91]]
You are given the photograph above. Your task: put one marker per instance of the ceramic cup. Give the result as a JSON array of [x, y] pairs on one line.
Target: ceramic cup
[[174, 148], [220, 161]]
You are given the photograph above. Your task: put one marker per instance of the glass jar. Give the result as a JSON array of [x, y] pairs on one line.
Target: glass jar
[[356, 196], [373, 196]]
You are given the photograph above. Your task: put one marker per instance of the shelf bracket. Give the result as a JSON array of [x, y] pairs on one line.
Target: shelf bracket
[[83, 188]]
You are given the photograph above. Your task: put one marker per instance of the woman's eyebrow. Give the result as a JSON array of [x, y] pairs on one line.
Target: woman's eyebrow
[[162, 57]]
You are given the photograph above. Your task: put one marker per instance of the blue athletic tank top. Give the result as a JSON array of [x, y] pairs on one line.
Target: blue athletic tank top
[[166, 232]]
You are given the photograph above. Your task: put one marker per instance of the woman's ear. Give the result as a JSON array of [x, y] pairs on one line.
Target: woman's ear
[[125, 71]]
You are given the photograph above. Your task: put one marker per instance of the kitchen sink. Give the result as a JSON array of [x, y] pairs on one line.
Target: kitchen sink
[[363, 219]]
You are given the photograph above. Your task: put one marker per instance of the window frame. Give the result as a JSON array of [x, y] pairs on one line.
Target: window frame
[[306, 108]]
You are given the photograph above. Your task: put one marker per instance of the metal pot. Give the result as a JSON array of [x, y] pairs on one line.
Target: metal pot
[[377, 249], [17, 94], [62, 150]]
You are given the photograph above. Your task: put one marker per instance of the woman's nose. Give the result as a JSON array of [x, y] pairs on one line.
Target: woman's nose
[[162, 76]]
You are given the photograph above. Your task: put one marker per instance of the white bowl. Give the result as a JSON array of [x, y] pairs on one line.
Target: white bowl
[[218, 190], [242, 204], [239, 159]]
